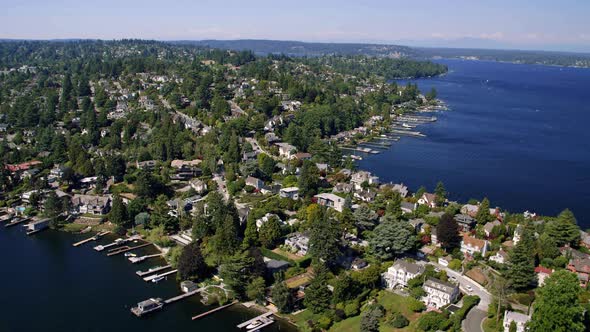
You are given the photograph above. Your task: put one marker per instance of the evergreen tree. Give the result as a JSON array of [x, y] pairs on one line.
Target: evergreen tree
[[447, 232], [364, 218], [394, 206], [256, 290], [191, 264], [53, 206], [235, 272], [118, 213], [392, 238], [324, 238], [344, 289], [317, 294], [309, 179], [225, 242], [281, 296], [557, 307], [547, 247], [483, 213], [441, 193], [564, 230], [370, 318], [270, 232], [251, 233], [522, 262]]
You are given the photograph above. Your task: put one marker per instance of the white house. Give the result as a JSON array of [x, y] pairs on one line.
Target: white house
[[198, 185], [472, 245], [254, 182], [520, 319], [266, 218], [289, 192], [298, 243], [428, 200], [286, 150], [489, 226], [445, 261], [330, 200], [439, 293], [400, 273], [360, 177], [501, 257]]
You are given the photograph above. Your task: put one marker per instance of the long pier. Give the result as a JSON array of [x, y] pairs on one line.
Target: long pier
[[262, 317], [117, 242], [207, 313], [150, 278], [14, 223], [93, 238], [144, 273], [117, 252], [183, 295], [407, 133]]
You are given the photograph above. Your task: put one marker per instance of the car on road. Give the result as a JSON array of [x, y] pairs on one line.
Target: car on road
[[469, 288], [453, 278]]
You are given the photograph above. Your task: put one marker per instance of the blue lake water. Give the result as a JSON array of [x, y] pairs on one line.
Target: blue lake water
[[517, 134]]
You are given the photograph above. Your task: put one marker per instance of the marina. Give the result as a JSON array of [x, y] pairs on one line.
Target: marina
[[117, 242], [126, 249]]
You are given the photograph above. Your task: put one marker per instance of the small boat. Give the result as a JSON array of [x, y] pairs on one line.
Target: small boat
[[158, 279], [130, 254], [254, 325], [147, 306]]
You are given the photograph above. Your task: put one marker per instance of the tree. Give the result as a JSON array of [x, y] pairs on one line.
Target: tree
[[344, 289], [118, 213], [270, 232], [431, 95], [256, 290], [522, 262], [441, 194], [500, 287], [483, 212], [191, 264], [317, 294], [324, 238], [394, 206], [564, 230], [281, 296], [512, 327], [392, 238], [53, 206], [447, 232], [547, 247], [309, 179], [364, 218], [251, 233], [370, 318], [237, 272], [225, 242], [558, 307]]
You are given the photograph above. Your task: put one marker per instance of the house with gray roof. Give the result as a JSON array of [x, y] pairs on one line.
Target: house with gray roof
[[400, 273], [439, 293]]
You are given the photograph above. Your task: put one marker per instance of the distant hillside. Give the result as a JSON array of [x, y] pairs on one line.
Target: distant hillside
[[296, 48]]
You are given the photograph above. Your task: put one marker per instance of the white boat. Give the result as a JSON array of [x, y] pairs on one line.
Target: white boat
[[254, 325], [158, 279], [130, 254]]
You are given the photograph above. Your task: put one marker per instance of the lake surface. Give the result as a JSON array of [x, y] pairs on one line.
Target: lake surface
[[517, 134], [48, 285]]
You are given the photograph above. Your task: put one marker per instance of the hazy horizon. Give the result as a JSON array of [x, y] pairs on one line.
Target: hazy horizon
[[526, 25]]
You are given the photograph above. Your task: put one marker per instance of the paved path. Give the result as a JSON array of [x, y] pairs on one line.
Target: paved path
[[474, 320]]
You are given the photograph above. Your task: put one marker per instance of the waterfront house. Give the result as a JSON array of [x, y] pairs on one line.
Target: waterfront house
[[542, 274], [361, 177], [472, 245], [330, 200], [254, 182], [298, 243], [519, 319], [465, 222], [90, 204], [585, 239], [400, 273], [501, 257], [289, 192], [428, 199], [439, 293], [581, 267], [365, 195], [188, 286], [470, 210], [342, 187]]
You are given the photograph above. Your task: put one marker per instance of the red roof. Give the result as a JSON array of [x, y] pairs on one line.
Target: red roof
[[542, 269], [21, 167]]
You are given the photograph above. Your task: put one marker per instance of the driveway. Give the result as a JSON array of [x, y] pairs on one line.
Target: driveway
[[473, 321], [221, 187]]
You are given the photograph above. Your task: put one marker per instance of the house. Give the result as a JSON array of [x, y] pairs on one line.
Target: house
[[358, 264], [342, 187], [56, 173], [286, 150], [470, 210], [361, 177], [580, 266], [365, 195], [585, 239], [248, 156], [301, 156], [266, 218], [520, 319], [542, 274], [91, 204], [330, 200], [179, 164], [254, 182], [489, 226], [146, 165], [428, 199], [298, 243], [398, 187], [400, 273], [439, 293], [408, 207], [465, 222], [188, 286], [198, 185], [418, 224], [445, 261], [14, 168], [472, 245], [274, 266], [501, 257], [517, 234], [289, 192]]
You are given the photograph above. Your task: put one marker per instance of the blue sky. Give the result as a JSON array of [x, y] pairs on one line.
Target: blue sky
[[536, 24]]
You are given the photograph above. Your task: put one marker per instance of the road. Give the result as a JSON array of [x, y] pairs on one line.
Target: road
[[474, 319], [221, 187]]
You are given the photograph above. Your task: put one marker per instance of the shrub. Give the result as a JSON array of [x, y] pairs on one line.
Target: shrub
[[416, 305], [398, 320], [324, 322], [455, 264], [351, 309], [432, 321]]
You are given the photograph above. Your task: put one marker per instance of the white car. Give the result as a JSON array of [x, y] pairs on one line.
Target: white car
[[469, 288]]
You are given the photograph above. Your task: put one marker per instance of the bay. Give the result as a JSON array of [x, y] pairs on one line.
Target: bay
[[517, 134]]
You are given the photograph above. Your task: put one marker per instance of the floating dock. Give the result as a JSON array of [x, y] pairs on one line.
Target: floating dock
[[183, 296], [94, 238], [37, 226], [199, 316], [264, 318], [16, 221], [152, 270], [117, 242], [126, 249], [407, 133], [150, 278]]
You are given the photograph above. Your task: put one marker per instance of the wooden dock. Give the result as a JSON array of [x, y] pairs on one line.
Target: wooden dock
[[94, 238], [122, 250], [183, 295], [199, 316], [261, 317], [144, 273], [16, 222], [136, 260], [150, 278]]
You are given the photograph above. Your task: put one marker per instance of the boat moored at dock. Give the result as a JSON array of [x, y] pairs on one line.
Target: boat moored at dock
[[147, 306]]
